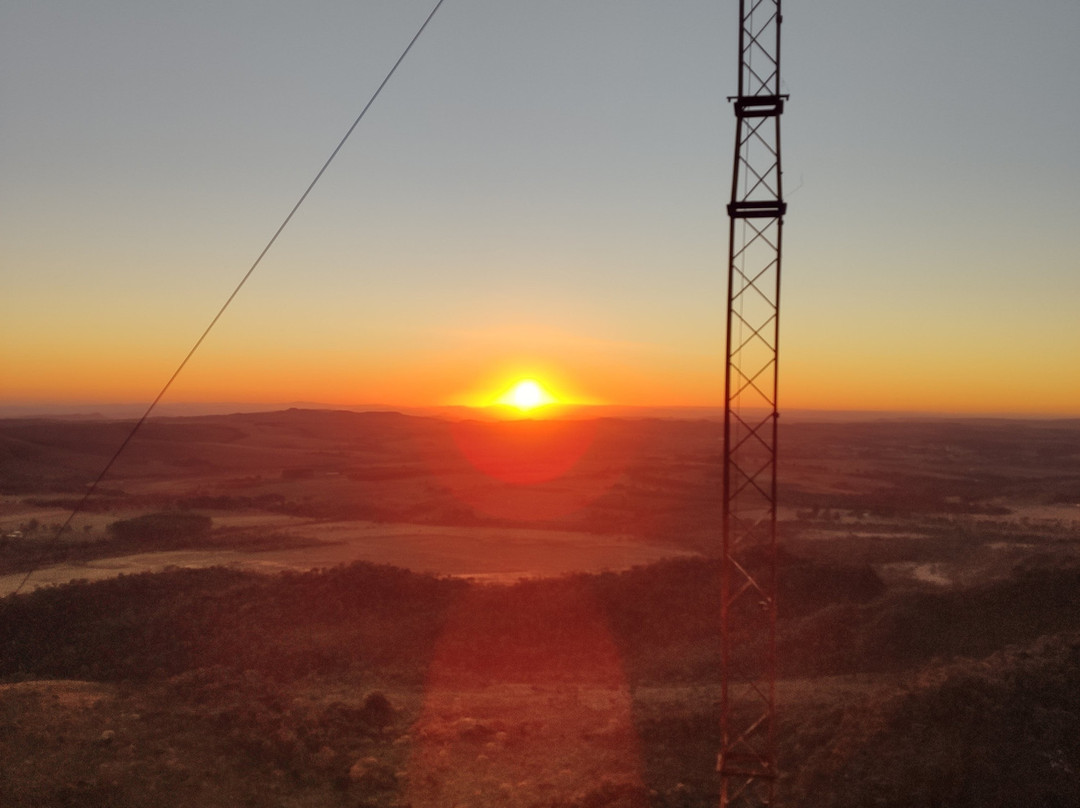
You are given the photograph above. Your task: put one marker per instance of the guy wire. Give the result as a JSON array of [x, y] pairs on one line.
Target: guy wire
[[138, 424]]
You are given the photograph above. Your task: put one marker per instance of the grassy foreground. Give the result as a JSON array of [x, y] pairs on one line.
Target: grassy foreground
[[373, 686]]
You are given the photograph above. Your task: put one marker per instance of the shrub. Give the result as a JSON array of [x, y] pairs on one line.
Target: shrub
[[169, 525]]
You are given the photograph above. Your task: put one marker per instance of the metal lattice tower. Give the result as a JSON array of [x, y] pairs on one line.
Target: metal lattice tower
[[747, 760]]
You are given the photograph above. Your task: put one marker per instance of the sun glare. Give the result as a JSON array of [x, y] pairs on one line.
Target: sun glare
[[526, 395]]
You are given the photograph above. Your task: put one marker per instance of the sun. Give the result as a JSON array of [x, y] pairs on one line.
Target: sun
[[526, 395]]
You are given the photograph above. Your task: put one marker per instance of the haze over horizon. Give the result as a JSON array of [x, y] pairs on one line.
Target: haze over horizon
[[181, 409], [539, 191]]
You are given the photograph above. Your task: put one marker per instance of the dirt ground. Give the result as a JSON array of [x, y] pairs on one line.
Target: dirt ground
[[505, 744]]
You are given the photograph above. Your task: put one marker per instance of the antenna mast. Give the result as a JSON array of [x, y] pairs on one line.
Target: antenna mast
[[747, 759]]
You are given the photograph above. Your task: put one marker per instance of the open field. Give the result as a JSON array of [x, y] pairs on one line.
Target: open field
[[929, 633], [485, 554], [891, 492]]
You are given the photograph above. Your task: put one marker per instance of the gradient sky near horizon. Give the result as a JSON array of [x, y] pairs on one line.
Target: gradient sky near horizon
[[540, 190]]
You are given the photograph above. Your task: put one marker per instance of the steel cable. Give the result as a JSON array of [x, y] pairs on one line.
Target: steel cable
[[142, 420]]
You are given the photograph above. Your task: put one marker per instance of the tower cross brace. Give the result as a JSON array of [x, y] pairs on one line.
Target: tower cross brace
[[747, 759]]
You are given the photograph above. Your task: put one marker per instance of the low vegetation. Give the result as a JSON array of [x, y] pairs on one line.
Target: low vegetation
[[973, 691], [162, 528], [928, 637]]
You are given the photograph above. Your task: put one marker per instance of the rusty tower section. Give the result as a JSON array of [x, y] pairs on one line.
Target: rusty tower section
[[747, 760]]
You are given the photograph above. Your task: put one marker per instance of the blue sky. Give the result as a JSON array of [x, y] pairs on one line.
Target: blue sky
[[541, 187]]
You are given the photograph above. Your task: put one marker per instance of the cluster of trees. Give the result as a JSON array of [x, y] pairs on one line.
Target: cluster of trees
[[1002, 730], [26, 549], [166, 527], [999, 721], [661, 620], [152, 625]]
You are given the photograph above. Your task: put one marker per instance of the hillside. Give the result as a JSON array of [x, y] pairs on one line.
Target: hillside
[[928, 637], [273, 671]]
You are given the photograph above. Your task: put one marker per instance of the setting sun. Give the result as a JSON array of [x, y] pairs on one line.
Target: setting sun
[[526, 395]]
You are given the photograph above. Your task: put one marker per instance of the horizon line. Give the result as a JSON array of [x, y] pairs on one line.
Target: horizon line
[[118, 410]]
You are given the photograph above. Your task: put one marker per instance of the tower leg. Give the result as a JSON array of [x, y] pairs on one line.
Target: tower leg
[[747, 759]]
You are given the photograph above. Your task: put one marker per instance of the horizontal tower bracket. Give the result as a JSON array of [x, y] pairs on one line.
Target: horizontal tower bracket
[[757, 209], [758, 106]]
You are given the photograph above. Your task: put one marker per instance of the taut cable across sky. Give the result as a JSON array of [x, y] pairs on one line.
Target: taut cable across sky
[[534, 171], [92, 488]]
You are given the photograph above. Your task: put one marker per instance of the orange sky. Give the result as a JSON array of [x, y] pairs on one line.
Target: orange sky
[[502, 213], [589, 375]]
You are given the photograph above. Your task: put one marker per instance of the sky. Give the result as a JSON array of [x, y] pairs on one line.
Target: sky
[[539, 191]]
